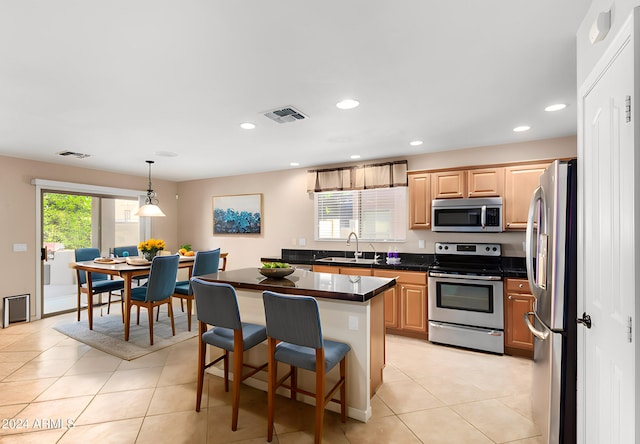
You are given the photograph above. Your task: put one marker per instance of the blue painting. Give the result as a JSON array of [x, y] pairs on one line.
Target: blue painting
[[239, 214]]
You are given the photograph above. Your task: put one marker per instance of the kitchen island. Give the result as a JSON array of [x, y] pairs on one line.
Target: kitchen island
[[351, 311]]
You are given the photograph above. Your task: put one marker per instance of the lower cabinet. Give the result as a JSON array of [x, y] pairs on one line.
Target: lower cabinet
[[406, 304], [518, 301]]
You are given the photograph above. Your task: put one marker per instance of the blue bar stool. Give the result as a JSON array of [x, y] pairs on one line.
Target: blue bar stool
[[295, 322]]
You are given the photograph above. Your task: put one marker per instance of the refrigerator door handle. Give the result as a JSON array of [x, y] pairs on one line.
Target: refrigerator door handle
[[537, 333], [538, 196]]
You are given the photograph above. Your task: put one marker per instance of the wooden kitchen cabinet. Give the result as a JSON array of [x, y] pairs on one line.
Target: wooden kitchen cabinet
[[477, 182], [520, 182], [419, 201], [485, 182], [449, 184], [406, 306], [518, 301], [354, 271], [326, 269]]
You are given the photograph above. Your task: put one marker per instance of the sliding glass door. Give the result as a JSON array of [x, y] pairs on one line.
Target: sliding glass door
[[71, 221]]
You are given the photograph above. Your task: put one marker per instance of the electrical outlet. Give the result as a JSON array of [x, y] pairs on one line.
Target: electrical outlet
[[421, 243], [18, 248], [353, 323], [302, 242]]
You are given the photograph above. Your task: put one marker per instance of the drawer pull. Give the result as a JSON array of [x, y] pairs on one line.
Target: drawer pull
[[520, 285]]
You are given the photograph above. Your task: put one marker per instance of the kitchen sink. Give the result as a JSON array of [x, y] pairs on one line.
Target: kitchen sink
[[347, 260]]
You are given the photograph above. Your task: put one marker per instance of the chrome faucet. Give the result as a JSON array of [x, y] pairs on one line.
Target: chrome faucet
[[376, 256], [357, 253]]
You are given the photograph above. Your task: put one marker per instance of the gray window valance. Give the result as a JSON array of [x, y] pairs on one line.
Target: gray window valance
[[362, 177]]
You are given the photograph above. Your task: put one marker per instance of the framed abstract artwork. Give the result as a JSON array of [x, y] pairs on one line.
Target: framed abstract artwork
[[237, 214]]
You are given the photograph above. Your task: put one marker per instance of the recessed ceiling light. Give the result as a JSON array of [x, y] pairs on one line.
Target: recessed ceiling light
[[556, 107], [347, 104], [415, 143], [519, 129], [355, 156], [294, 164], [247, 125]]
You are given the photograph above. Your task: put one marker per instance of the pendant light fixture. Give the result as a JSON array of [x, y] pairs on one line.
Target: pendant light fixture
[[150, 207]]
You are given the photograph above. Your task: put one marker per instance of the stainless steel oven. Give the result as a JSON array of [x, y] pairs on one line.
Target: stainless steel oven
[[466, 296]]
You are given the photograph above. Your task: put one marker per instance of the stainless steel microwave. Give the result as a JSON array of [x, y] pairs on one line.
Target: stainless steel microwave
[[481, 215]]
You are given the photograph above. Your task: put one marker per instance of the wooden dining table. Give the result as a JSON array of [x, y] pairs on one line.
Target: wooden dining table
[[126, 272]]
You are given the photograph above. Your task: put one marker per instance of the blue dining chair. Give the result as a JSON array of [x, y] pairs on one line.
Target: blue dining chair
[[98, 284], [217, 305], [158, 289], [294, 337], [206, 262], [131, 250]]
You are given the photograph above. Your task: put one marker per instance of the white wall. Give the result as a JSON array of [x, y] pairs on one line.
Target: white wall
[[288, 208]]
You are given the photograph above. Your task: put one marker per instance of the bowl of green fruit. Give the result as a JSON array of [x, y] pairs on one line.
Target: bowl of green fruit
[[275, 270]]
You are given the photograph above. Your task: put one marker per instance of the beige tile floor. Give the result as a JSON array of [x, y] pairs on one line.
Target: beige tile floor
[[431, 394]]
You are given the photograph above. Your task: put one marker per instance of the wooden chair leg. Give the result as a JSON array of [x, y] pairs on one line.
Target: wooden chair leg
[[294, 383], [271, 385], [128, 324], [238, 351], [182, 306], [226, 370], [109, 304], [79, 301], [189, 302], [138, 320], [320, 388], [150, 311], [202, 352], [343, 390], [173, 325]]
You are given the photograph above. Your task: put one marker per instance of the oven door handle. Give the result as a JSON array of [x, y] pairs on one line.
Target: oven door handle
[[466, 277]]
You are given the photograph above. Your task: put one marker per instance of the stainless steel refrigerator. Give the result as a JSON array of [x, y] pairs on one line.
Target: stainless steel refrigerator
[[551, 251]]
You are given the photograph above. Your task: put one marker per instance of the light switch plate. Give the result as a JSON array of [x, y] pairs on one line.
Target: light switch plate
[[19, 248], [353, 323]]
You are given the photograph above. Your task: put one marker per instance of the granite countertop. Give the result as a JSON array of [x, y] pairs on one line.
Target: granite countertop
[[304, 282], [513, 267]]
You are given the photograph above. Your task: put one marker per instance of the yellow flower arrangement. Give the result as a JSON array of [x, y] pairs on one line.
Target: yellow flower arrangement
[[150, 247]]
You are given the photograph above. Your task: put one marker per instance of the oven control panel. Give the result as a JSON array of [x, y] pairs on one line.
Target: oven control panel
[[468, 249]]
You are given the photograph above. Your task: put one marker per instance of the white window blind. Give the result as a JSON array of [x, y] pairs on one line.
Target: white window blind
[[374, 215]]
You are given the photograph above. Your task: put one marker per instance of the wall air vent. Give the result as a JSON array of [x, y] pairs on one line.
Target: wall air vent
[[73, 154], [285, 114]]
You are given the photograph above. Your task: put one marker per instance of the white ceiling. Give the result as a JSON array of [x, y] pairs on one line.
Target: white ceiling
[[126, 80]]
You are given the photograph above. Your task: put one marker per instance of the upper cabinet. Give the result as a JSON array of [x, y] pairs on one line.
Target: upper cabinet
[[449, 184], [481, 182], [485, 182], [520, 182], [419, 201], [514, 183]]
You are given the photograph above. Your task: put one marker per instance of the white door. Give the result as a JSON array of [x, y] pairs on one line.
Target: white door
[[607, 237]]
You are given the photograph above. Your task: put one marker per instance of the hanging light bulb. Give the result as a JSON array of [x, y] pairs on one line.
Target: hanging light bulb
[[150, 207]]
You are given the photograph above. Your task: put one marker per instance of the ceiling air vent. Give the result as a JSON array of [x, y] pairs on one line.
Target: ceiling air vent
[[285, 114], [73, 154]]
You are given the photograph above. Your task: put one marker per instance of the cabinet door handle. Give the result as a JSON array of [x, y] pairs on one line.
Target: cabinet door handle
[[510, 297]]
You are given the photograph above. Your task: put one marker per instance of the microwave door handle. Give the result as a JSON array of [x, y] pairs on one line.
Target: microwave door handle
[[483, 217]]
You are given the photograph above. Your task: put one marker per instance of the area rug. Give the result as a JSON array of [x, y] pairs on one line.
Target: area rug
[[108, 333]]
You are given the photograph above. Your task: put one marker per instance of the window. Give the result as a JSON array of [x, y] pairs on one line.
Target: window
[[374, 215]]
